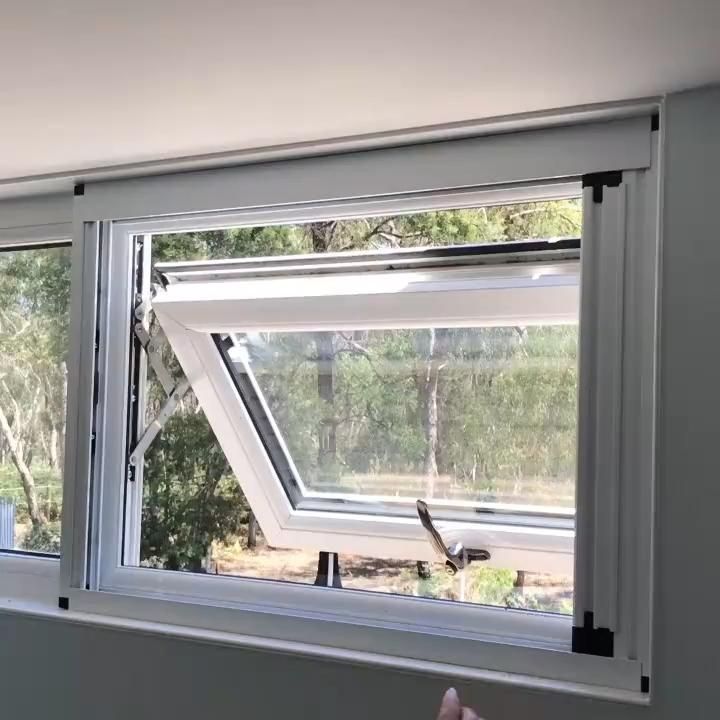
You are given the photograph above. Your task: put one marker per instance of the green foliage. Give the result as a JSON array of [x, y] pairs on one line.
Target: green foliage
[[190, 497], [506, 399], [34, 320], [485, 586], [42, 538], [442, 227], [48, 484]]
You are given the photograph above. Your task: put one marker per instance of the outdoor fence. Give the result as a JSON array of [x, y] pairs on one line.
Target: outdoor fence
[[7, 524]]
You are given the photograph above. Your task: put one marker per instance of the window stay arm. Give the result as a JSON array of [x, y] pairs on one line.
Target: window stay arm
[[175, 390]]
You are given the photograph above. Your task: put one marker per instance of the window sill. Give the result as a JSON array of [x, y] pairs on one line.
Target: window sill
[[25, 578], [49, 610]]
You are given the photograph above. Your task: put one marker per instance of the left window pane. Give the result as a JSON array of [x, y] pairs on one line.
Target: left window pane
[[34, 319]]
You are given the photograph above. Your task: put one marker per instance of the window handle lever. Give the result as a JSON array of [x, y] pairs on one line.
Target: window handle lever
[[457, 556]]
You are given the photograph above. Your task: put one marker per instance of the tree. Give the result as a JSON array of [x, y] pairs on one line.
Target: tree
[[28, 482], [34, 318], [190, 497], [321, 236], [432, 358]]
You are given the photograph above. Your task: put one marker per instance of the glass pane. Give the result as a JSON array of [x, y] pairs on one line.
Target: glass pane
[[436, 228], [195, 516], [34, 318], [479, 585], [475, 415]]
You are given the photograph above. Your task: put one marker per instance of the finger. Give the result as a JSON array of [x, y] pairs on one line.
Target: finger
[[469, 714], [450, 708]]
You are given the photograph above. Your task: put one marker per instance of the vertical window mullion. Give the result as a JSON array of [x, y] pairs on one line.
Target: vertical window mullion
[[76, 521], [587, 356], [611, 242], [632, 639], [599, 400], [117, 292]]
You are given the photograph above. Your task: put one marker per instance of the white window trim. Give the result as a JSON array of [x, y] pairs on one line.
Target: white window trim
[[36, 219], [614, 556], [144, 616], [533, 156], [533, 293], [276, 611]]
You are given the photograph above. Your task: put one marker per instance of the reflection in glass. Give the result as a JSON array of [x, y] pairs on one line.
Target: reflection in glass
[[475, 415]]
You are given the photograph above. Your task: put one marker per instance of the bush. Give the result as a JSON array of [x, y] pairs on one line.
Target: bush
[[42, 538], [190, 497]]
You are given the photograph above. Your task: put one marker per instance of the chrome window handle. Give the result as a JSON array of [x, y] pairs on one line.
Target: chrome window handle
[[457, 556]]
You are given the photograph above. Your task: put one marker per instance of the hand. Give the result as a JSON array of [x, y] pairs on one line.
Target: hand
[[451, 709]]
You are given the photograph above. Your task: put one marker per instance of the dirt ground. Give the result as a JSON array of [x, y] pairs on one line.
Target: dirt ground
[[495, 587]]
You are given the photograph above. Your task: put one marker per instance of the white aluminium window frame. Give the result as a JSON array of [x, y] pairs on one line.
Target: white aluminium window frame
[[406, 632], [122, 587], [542, 292]]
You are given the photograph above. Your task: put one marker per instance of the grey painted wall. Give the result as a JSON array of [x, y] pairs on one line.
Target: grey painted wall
[[54, 670]]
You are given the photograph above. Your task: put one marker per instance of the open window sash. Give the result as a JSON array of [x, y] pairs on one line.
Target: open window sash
[[206, 311]]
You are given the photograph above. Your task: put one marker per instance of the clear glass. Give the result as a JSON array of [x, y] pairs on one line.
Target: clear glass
[[484, 415], [196, 518], [479, 585], [34, 319]]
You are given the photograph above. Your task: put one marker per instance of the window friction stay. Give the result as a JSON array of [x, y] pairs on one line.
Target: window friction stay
[[175, 390]]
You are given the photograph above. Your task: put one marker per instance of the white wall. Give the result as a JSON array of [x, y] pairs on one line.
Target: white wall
[[54, 670]]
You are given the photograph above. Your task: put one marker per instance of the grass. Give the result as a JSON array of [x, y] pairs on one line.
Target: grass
[[558, 491]]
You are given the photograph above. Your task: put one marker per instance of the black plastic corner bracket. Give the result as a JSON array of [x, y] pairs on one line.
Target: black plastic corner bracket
[[321, 578], [597, 181], [590, 640], [655, 122], [79, 190], [644, 684], [64, 603]]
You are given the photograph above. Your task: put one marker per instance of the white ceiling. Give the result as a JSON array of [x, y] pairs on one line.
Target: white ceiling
[[86, 83]]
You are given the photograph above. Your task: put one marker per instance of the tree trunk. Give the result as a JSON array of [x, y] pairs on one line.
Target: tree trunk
[[53, 449], [28, 482], [435, 354], [427, 383], [430, 427], [252, 531], [321, 234], [327, 429], [63, 419], [430, 468]]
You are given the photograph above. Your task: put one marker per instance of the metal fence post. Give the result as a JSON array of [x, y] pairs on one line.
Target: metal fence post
[[7, 524]]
